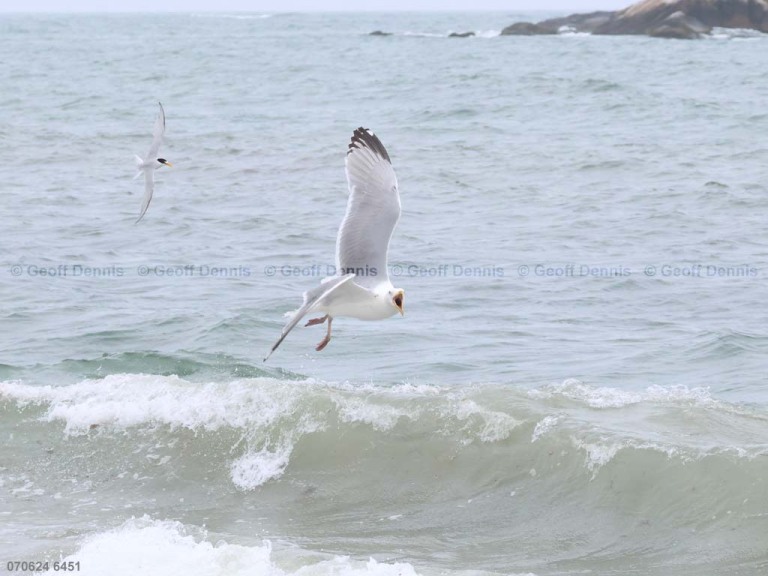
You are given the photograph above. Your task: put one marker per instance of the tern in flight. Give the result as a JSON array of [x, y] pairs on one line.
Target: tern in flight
[[151, 162], [361, 287]]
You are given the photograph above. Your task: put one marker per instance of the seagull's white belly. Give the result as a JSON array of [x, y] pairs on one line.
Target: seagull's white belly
[[370, 308], [362, 312]]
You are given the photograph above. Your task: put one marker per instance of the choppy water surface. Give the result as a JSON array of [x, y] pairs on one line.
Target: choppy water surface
[[578, 385]]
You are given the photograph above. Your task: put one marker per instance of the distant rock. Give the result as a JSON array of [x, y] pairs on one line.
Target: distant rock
[[460, 34], [576, 22], [380, 33], [527, 29], [683, 19], [680, 26], [700, 16]]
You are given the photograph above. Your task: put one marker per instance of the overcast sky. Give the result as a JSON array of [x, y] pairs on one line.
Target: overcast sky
[[305, 5]]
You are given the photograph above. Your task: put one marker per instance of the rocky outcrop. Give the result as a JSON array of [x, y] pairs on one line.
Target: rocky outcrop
[[659, 18], [380, 33], [529, 29], [461, 34], [576, 22], [678, 25]]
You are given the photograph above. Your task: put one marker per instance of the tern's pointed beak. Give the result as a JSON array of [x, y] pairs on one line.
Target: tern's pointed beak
[[168, 164]]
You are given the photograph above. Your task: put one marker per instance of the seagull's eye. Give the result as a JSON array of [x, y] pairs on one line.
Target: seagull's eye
[[161, 160]]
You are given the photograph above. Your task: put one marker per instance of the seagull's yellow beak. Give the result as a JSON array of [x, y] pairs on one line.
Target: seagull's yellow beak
[[168, 164], [399, 300]]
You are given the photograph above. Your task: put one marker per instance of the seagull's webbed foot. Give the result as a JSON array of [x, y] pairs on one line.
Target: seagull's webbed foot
[[316, 321], [324, 341]]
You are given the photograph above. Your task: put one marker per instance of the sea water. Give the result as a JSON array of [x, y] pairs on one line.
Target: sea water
[[578, 385]]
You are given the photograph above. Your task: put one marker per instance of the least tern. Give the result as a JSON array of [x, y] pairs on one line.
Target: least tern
[[361, 287], [151, 162]]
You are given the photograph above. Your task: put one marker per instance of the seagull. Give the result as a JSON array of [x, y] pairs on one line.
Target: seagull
[[361, 287], [151, 162]]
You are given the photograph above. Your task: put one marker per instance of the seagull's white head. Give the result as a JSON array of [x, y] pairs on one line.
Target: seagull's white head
[[398, 299], [164, 162]]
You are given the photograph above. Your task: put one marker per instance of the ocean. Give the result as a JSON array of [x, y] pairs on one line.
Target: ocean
[[578, 385]]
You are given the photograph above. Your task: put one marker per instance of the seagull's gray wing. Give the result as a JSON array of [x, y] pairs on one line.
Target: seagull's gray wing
[[149, 188], [157, 135], [372, 211], [311, 299]]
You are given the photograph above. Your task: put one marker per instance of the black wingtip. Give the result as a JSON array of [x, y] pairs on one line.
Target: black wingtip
[[364, 138]]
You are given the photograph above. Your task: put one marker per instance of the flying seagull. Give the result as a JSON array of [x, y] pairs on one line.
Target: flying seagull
[[151, 162], [361, 287]]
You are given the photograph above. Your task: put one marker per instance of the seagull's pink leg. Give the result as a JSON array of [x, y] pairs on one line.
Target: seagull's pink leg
[[315, 321], [327, 338]]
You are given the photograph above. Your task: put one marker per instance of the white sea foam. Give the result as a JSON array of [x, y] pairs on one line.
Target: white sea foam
[[598, 454], [382, 408], [544, 426], [736, 34], [687, 424], [606, 397], [487, 33], [381, 417], [158, 548], [475, 34], [601, 452], [493, 426], [571, 31], [424, 34], [122, 401], [256, 468]]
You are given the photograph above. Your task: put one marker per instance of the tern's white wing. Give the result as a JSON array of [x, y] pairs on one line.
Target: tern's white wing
[[312, 298], [149, 188], [372, 211], [157, 135]]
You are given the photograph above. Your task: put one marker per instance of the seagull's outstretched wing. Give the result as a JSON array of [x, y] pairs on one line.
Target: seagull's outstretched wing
[[149, 188], [311, 299], [372, 211], [157, 135]]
